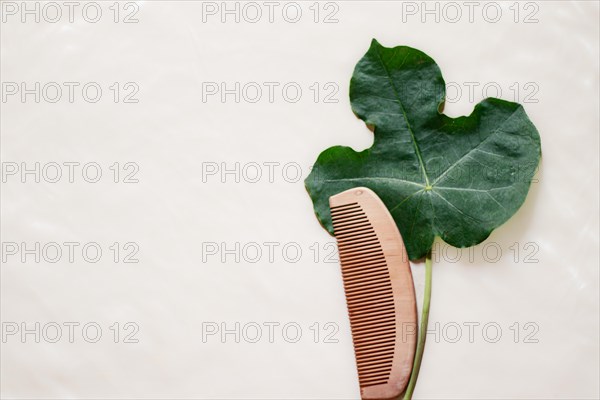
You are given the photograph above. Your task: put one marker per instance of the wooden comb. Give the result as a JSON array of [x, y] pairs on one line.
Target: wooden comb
[[379, 292]]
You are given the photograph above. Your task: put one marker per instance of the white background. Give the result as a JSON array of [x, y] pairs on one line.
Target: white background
[[172, 134]]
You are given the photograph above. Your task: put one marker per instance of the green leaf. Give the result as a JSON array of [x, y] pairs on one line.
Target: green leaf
[[456, 178]]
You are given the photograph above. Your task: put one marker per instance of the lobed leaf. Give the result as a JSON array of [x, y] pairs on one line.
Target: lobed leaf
[[456, 178]]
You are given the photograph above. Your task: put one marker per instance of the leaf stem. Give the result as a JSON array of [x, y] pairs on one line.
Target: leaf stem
[[422, 331]]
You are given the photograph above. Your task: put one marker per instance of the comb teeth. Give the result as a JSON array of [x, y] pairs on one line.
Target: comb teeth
[[379, 292], [369, 293]]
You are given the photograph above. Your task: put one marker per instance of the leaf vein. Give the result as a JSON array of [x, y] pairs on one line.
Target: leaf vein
[[468, 153], [412, 134], [456, 208]]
